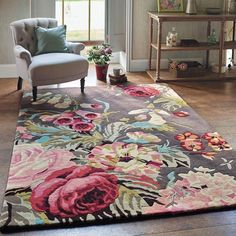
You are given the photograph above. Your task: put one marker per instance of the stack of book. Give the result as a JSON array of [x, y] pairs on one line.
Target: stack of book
[[117, 79]]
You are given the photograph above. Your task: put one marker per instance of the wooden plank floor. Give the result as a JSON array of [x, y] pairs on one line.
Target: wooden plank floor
[[215, 101]]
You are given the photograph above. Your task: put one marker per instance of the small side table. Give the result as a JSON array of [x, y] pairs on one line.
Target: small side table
[[161, 18]]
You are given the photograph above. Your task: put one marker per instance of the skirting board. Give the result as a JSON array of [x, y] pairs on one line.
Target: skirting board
[[8, 71]]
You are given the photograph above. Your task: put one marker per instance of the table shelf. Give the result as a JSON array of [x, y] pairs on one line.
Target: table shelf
[[160, 18], [167, 76], [201, 47]]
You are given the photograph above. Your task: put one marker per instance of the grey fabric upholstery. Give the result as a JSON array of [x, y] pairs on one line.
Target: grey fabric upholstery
[[45, 69], [22, 53], [63, 67]]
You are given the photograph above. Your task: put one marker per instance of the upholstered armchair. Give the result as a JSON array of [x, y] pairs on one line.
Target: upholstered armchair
[[48, 68]]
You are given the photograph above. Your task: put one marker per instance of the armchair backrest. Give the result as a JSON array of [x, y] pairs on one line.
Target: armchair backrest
[[23, 31]]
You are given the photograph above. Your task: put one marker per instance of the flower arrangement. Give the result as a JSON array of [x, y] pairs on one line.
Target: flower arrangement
[[175, 65], [100, 54], [185, 69]]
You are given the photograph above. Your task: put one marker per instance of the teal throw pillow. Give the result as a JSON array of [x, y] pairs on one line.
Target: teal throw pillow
[[51, 39]]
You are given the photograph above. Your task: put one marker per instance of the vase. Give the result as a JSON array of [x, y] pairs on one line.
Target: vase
[[101, 71], [232, 7], [191, 8]]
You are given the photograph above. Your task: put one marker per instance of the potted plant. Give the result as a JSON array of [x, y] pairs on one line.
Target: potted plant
[[100, 55]]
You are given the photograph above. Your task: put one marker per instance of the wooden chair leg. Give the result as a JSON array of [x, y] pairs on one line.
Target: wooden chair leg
[[19, 83], [82, 83], [34, 93]]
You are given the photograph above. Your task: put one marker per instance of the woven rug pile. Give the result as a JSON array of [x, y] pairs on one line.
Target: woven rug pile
[[114, 153]]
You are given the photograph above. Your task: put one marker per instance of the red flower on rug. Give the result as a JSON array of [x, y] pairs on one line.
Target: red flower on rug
[[186, 135], [190, 141], [181, 113], [216, 141], [64, 121], [141, 91], [75, 191], [82, 127], [88, 115]]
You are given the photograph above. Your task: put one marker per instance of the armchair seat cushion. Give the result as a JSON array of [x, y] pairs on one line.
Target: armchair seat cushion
[[55, 68]]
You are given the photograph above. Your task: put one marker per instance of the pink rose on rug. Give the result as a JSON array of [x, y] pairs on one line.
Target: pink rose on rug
[[196, 191], [88, 115], [27, 136], [83, 127], [23, 131], [141, 91], [64, 121], [128, 158], [31, 164], [50, 118], [75, 191]]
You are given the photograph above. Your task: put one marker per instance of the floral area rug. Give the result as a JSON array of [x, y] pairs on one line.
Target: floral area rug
[[114, 153]]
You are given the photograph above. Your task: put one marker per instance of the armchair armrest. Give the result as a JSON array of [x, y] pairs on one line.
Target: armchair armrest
[[22, 53], [75, 47]]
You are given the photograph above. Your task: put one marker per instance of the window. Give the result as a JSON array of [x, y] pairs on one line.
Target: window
[[85, 19]]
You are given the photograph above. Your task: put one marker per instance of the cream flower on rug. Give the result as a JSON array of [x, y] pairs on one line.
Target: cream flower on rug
[[127, 158]]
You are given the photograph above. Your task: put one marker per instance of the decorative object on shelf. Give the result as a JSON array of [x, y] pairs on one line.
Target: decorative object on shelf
[[172, 37], [213, 10], [215, 68], [100, 55], [212, 38], [232, 6], [185, 69], [231, 64], [191, 7], [117, 79], [168, 39], [189, 43], [170, 5]]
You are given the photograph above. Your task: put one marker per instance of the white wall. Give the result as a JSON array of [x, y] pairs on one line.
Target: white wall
[[10, 10], [185, 30], [43, 8], [115, 24]]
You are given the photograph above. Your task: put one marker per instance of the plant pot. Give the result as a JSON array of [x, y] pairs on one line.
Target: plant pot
[[101, 71]]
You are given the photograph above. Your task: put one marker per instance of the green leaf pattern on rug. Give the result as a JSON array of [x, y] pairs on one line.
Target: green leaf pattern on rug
[[173, 157]]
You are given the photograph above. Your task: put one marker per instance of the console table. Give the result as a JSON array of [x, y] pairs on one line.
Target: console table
[[157, 44]]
